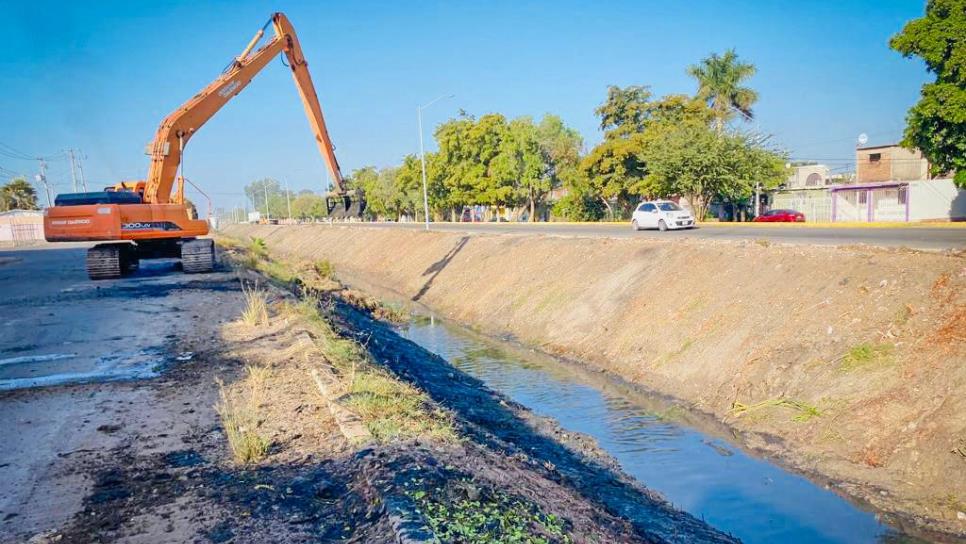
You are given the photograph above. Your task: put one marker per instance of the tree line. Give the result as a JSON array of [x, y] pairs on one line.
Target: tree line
[[677, 145], [653, 147]]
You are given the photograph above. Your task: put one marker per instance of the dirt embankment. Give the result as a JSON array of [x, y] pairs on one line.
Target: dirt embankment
[[849, 362]]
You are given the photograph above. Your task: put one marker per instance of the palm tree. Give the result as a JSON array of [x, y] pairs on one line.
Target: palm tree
[[720, 79], [18, 195]]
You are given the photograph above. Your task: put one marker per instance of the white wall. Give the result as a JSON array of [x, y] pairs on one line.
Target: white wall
[[936, 199]]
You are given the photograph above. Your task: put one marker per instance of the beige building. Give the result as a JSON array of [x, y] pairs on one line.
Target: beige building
[[808, 175], [889, 163]]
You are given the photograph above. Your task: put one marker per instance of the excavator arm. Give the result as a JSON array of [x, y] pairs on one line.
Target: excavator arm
[[177, 128]]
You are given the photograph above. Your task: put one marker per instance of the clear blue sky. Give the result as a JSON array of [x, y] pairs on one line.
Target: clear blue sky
[[100, 76]]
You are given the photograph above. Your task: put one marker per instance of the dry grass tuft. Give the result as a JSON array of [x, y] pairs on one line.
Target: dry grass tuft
[[239, 409], [256, 306], [389, 407], [804, 411]]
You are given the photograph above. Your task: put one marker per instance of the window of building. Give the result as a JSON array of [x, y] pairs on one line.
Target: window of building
[[875, 157], [902, 195], [813, 179], [863, 197]]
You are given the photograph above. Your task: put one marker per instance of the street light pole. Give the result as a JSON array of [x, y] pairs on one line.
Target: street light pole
[[422, 153]]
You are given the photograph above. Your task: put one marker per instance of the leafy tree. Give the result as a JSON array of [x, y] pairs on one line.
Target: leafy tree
[[698, 162], [267, 195], [462, 166], [580, 203], [937, 123], [720, 83], [308, 205], [625, 110], [617, 167], [410, 185], [560, 147], [520, 166], [18, 194]]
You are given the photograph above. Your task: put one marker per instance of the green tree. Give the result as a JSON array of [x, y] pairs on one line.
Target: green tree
[[560, 147], [18, 194], [617, 167], [267, 196], [721, 81], [696, 161], [462, 166], [409, 181], [519, 169], [614, 167], [308, 205], [937, 123], [625, 110], [580, 203]]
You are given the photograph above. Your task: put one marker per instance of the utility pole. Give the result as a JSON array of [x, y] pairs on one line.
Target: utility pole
[[422, 154], [288, 200], [42, 178], [757, 198], [73, 175], [80, 167], [268, 215]]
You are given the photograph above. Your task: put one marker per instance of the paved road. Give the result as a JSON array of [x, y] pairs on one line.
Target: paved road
[[933, 238], [60, 327]]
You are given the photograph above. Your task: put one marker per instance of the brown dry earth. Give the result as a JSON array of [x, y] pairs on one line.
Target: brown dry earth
[[857, 355], [147, 461]]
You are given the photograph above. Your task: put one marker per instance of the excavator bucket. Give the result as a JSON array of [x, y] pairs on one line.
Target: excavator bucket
[[345, 206]]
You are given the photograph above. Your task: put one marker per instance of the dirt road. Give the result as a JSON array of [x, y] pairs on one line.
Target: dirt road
[[61, 329]]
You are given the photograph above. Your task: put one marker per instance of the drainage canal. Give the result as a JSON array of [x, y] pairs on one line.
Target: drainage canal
[[699, 472]]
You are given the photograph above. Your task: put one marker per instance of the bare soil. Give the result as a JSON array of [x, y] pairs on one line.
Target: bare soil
[[849, 362]]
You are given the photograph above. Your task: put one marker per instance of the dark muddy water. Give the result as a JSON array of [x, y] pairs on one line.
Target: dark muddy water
[[697, 471]]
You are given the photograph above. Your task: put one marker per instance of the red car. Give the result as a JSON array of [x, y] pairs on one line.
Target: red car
[[781, 216]]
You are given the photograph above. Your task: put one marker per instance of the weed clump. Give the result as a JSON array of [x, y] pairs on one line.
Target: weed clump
[[325, 269], [389, 407], [488, 517], [865, 355], [239, 409]]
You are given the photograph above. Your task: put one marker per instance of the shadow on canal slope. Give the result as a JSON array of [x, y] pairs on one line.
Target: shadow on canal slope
[[506, 427], [438, 267]]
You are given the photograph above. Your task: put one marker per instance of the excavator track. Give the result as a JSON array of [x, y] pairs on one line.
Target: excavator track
[[198, 256], [104, 261]]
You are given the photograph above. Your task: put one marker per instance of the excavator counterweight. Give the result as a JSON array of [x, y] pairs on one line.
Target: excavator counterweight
[[151, 218]]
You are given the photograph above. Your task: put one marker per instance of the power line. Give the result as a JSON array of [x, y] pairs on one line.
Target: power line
[[14, 153]]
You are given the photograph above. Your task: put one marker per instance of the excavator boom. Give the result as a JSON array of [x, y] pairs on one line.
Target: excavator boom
[[178, 127]]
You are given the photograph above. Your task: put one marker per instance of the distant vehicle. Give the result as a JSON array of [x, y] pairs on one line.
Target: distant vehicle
[[781, 216], [661, 215]]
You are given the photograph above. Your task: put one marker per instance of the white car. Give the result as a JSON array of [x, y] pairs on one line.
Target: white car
[[661, 215]]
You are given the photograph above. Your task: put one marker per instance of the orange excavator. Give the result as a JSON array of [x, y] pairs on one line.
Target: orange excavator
[[143, 219]]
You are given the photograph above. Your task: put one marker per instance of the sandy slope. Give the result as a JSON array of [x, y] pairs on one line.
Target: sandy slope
[[857, 355]]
